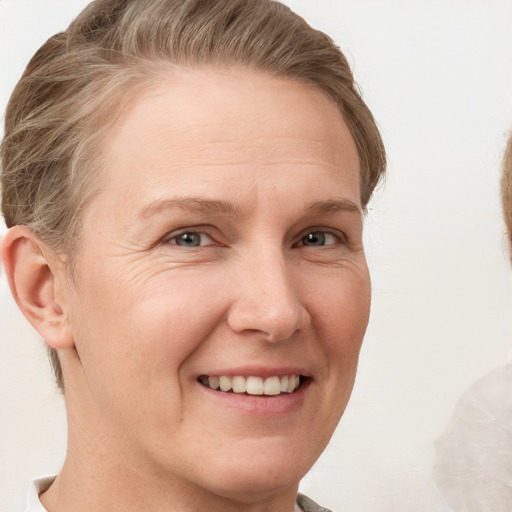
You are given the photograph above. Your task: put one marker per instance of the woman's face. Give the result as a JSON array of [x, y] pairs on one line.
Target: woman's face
[[226, 241]]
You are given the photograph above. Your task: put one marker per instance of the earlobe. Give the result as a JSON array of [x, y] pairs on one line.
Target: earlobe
[[35, 282]]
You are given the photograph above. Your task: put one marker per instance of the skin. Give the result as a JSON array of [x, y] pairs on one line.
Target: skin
[[249, 165]]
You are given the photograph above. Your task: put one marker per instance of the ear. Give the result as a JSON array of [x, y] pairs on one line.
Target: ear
[[37, 285]]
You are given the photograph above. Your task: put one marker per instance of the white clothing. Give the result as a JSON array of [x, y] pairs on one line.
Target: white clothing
[[35, 489]]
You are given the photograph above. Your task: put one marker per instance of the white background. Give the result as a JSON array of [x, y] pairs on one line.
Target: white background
[[438, 77]]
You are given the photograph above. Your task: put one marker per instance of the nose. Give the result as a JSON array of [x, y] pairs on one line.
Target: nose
[[267, 300]]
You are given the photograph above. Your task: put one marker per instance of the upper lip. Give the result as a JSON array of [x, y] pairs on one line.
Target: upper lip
[[257, 371]]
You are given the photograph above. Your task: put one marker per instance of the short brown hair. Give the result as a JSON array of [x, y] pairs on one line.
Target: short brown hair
[[79, 80], [506, 190]]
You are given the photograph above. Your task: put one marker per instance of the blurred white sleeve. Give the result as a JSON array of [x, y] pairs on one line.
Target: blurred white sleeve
[[473, 464]]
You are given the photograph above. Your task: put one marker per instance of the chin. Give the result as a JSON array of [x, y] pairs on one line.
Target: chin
[[251, 474], [247, 485]]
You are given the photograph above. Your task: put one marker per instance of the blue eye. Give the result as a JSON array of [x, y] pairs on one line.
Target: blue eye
[[190, 239], [318, 239]]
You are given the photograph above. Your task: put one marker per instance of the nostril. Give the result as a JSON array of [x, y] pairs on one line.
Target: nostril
[[275, 325]]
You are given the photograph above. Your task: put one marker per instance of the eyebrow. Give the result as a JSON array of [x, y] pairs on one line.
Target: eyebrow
[[218, 206], [193, 204], [334, 206]]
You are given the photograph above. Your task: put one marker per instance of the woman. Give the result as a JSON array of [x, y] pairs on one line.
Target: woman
[[184, 183]]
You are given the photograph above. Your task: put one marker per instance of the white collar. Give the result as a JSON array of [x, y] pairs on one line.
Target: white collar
[[36, 487]]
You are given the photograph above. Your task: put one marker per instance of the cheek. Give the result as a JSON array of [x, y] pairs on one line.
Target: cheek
[[342, 317], [140, 335], [344, 309], [340, 320], [135, 370]]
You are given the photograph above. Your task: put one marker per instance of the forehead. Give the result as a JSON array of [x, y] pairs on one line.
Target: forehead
[[196, 122]]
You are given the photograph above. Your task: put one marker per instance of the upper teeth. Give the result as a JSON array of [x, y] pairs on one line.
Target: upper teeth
[[253, 385]]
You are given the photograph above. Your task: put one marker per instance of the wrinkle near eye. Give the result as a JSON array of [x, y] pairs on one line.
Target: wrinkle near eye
[[142, 276]]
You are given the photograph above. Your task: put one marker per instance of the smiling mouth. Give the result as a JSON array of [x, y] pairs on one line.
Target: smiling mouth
[[251, 385]]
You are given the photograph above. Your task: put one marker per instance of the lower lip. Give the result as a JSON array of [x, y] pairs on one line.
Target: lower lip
[[260, 405]]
